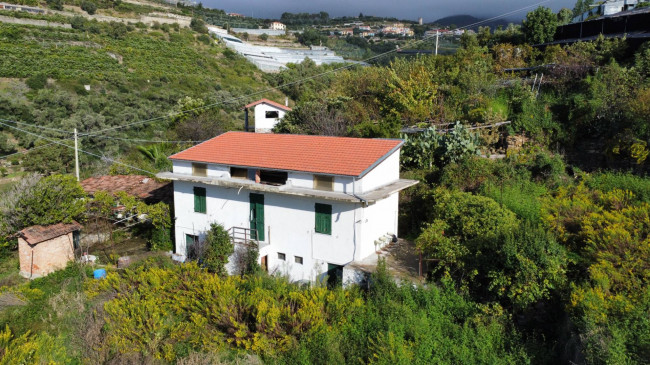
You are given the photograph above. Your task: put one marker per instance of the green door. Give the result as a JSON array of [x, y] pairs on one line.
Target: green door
[[257, 216]]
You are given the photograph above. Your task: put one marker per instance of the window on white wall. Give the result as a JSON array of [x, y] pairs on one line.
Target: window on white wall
[[282, 256], [322, 182], [272, 114], [238, 173], [298, 260], [199, 169]]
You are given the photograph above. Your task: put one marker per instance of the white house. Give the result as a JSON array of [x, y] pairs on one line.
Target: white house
[[277, 26], [268, 113], [314, 203]]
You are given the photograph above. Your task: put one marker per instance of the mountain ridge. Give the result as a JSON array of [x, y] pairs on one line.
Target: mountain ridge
[[463, 20]]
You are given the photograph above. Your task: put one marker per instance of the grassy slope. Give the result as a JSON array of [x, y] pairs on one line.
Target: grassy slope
[[138, 76]]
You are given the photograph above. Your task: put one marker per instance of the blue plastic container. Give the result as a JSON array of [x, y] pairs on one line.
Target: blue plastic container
[[99, 273]]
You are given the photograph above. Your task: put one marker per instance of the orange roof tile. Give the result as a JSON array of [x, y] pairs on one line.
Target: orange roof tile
[[142, 187], [317, 154], [270, 102], [38, 234]]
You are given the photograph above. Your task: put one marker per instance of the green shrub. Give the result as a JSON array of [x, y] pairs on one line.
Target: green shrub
[[520, 196], [89, 7], [608, 181], [55, 4], [205, 39], [36, 82], [469, 174], [161, 239], [470, 216], [158, 311]]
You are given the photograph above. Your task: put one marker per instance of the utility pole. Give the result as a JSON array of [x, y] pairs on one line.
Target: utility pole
[[76, 154], [437, 34]]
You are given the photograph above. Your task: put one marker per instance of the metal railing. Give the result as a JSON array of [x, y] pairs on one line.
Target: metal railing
[[243, 235]]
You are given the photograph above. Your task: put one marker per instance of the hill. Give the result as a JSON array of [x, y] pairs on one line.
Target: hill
[[464, 20], [99, 75]]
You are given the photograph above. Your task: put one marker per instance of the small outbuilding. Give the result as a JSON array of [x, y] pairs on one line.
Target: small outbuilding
[[44, 249], [268, 113]]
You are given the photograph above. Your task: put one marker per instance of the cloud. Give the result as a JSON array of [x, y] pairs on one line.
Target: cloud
[[429, 10]]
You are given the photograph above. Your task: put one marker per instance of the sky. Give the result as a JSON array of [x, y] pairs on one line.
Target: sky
[[429, 10]]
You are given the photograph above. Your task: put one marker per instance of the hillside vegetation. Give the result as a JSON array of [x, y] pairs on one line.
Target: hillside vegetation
[[133, 73], [538, 254]]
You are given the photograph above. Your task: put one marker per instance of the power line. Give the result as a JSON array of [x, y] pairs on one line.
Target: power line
[[235, 99], [138, 140], [80, 150], [26, 151], [36, 126]]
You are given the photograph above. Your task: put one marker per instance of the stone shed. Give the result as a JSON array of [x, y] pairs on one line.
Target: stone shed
[[44, 249]]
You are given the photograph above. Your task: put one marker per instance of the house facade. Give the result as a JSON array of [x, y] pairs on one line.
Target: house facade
[[268, 113], [313, 204]]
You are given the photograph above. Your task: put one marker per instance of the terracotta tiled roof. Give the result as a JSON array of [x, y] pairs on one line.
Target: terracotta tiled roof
[[317, 154], [38, 234], [139, 186], [270, 102]]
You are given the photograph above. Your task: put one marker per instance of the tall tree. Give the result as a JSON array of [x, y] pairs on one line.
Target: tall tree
[[564, 16], [539, 25]]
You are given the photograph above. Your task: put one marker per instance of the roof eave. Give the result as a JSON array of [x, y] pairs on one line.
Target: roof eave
[[382, 158]]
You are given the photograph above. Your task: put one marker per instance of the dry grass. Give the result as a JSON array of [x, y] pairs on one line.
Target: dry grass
[[66, 303], [200, 358]]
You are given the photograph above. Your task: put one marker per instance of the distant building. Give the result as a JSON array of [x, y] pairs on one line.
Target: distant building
[[346, 32], [420, 21], [267, 114], [237, 15], [15, 7], [397, 29], [608, 7], [277, 26], [45, 249]]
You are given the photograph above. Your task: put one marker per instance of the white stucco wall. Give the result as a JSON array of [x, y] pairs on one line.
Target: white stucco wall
[[185, 167], [384, 173], [379, 219], [264, 124], [342, 184], [289, 226]]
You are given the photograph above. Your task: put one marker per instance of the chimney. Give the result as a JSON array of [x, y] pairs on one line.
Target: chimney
[[286, 101]]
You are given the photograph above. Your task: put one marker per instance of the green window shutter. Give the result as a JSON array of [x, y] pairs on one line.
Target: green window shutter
[[323, 218], [199, 200], [257, 216]]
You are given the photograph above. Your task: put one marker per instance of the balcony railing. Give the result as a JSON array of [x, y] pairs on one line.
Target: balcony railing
[[246, 236]]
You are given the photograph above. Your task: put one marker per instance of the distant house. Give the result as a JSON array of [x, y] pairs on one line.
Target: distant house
[[268, 113], [313, 204], [397, 29], [145, 188], [346, 32], [277, 26], [605, 8], [237, 15], [44, 249]]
